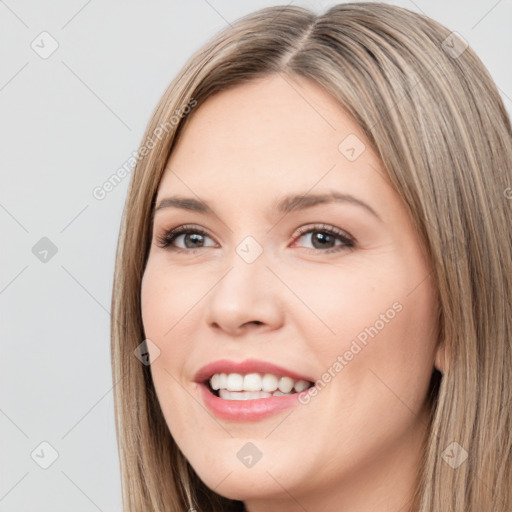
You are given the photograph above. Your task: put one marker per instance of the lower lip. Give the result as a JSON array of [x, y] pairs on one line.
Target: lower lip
[[247, 410]]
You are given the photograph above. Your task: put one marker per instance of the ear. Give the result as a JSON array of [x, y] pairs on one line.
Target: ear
[[440, 359]]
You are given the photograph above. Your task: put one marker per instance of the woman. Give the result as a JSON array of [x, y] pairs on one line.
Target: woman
[[314, 274]]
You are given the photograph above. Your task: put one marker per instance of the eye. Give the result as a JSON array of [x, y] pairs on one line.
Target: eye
[[323, 237], [193, 237], [191, 242]]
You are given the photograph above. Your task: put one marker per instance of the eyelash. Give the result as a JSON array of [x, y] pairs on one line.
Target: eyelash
[[164, 241]]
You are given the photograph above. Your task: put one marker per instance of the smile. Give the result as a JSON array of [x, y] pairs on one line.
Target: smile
[[252, 386], [250, 390]]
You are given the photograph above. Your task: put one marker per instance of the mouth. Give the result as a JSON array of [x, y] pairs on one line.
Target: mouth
[[254, 386], [250, 390]]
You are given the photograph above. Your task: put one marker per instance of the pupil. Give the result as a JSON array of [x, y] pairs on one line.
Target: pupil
[[321, 236], [195, 237]]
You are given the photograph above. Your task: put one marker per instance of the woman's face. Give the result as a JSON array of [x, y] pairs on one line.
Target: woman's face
[[261, 278]]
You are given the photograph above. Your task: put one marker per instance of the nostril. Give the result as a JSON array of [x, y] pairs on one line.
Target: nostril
[[254, 322]]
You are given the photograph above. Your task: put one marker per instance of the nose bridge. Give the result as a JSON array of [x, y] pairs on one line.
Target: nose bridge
[[251, 246], [250, 250], [247, 274], [244, 293]]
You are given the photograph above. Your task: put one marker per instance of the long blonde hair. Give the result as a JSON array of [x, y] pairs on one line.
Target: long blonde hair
[[431, 111]]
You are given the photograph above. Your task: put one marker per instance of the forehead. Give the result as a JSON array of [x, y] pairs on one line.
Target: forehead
[[269, 137], [273, 114]]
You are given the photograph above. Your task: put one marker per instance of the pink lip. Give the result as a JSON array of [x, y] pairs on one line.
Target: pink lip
[[244, 367], [246, 410]]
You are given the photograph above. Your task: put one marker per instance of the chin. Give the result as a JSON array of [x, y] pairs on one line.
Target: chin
[[231, 479], [248, 486]]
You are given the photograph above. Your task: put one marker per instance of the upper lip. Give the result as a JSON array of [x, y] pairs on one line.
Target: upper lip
[[245, 367]]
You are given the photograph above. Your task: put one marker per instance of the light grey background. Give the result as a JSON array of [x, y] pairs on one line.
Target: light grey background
[[67, 123]]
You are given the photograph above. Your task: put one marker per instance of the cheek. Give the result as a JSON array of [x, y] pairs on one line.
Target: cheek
[[356, 299], [371, 326], [171, 310], [168, 300], [377, 366], [164, 315], [162, 306]]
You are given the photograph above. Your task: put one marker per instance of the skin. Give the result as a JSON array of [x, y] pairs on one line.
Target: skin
[[356, 445]]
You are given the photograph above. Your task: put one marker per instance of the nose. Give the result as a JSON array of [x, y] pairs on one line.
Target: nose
[[245, 297]]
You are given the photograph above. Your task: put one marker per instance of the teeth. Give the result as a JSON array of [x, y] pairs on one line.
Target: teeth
[[301, 385], [252, 382], [242, 395], [215, 381], [235, 382], [256, 383], [269, 382], [286, 384]]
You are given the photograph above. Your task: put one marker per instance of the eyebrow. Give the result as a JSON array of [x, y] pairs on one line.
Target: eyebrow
[[287, 204]]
